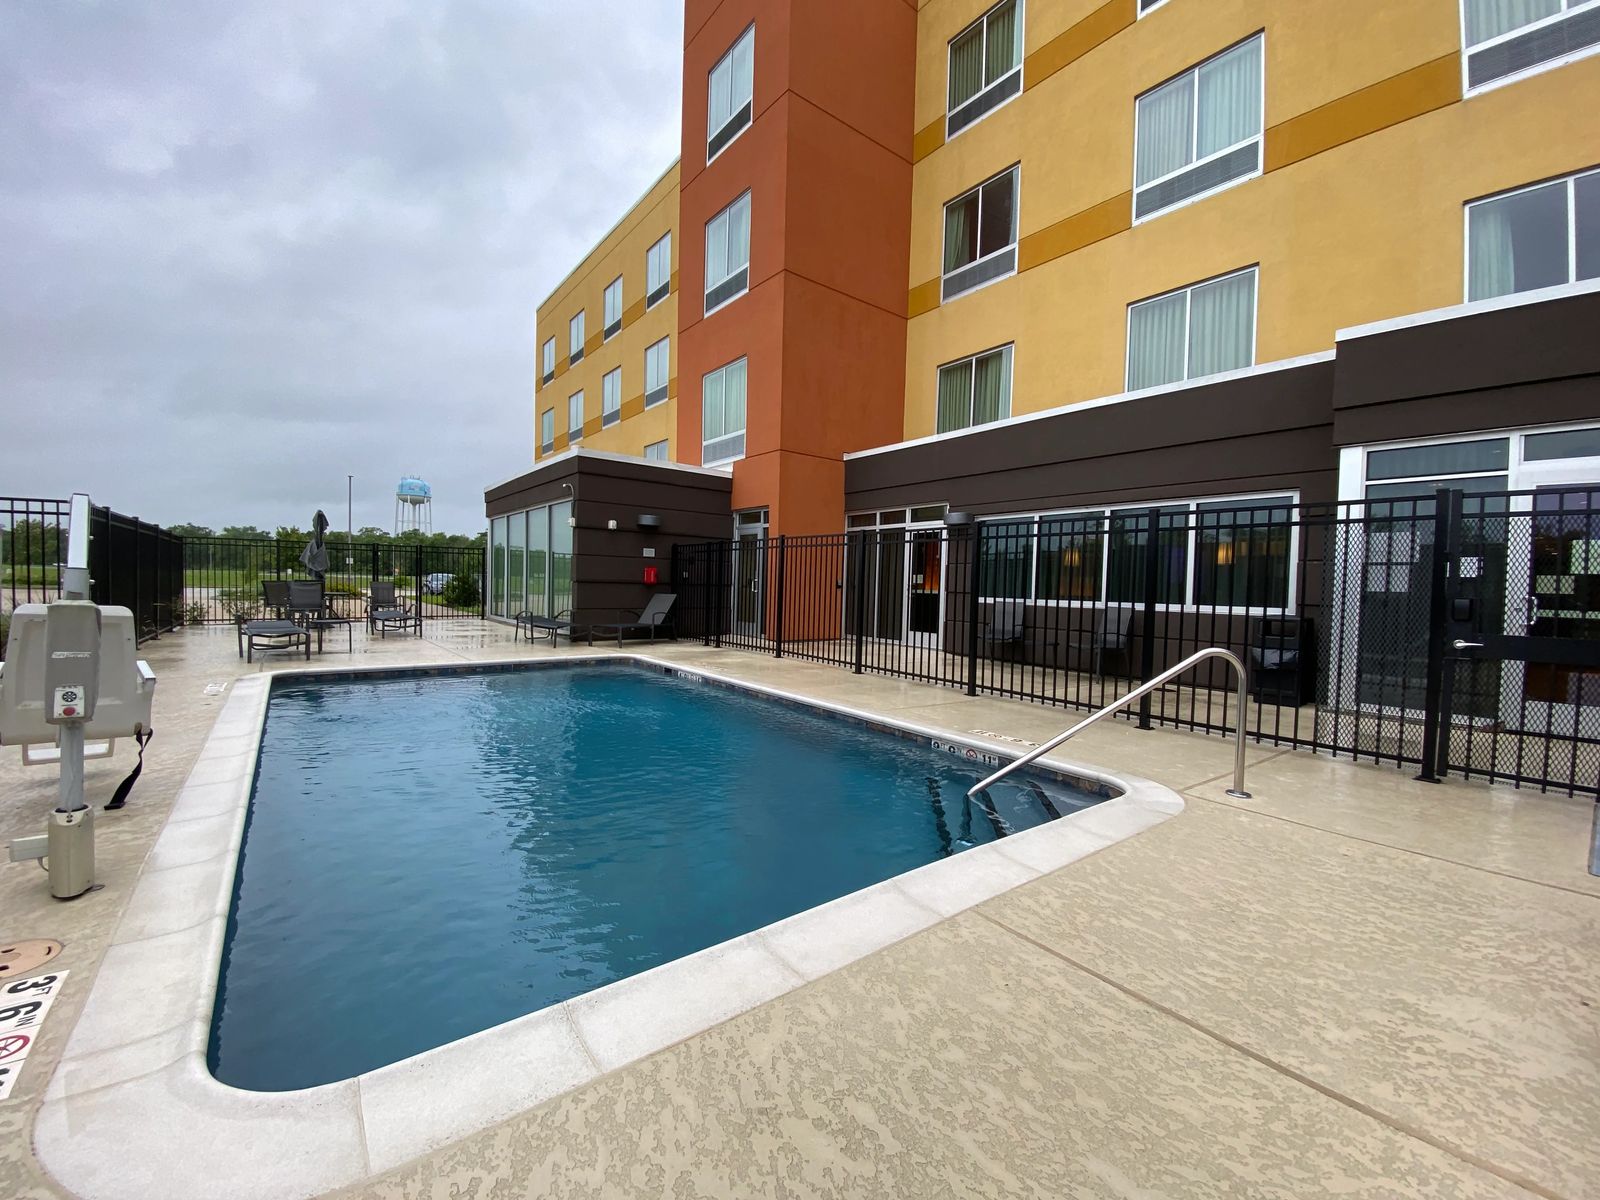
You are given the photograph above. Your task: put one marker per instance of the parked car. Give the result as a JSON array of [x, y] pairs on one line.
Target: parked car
[[434, 584]]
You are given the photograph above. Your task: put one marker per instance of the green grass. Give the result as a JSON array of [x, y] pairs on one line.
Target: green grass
[[37, 576]]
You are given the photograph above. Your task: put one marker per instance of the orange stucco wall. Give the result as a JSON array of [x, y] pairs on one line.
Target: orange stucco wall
[[827, 160]]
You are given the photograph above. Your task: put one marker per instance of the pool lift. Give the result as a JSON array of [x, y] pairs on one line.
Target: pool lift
[[71, 674]]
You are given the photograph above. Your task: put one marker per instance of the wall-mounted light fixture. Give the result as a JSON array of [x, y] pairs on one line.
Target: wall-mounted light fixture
[[649, 521], [957, 518]]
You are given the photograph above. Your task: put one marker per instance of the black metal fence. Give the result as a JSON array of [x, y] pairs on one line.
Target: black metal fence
[[1348, 617], [33, 549], [222, 577]]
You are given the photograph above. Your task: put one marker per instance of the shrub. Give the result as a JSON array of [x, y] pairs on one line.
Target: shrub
[[462, 592], [194, 613]]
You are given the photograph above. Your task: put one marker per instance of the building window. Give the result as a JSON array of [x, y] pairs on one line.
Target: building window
[[611, 397], [575, 338], [1510, 39], [613, 307], [975, 391], [722, 400], [1201, 330], [549, 353], [1535, 237], [728, 254], [575, 415], [1149, 6], [658, 271], [980, 235], [1210, 554], [547, 431], [728, 92], [656, 451], [656, 364], [985, 66], [1200, 132]]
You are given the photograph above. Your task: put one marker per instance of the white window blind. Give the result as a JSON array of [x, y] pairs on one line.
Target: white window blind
[[722, 413]]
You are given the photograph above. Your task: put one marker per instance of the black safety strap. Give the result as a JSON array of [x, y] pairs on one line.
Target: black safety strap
[[120, 797]]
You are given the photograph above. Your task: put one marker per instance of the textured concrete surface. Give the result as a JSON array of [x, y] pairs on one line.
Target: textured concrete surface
[[1352, 984]]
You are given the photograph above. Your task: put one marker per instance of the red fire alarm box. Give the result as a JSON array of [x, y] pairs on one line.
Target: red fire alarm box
[[651, 575]]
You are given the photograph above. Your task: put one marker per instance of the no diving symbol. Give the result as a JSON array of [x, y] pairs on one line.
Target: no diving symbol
[[14, 1044], [972, 754]]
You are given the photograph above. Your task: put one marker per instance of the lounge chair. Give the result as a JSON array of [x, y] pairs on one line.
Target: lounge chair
[[542, 626], [311, 606], [1108, 635], [275, 597], [386, 612], [656, 615], [272, 634]]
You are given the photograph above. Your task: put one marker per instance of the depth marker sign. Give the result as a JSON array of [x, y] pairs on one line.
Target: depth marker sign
[[23, 1006]]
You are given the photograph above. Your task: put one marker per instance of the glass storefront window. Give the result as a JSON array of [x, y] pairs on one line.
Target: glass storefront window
[[560, 557], [497, 567], [1130, 531], [1242, 553], [1007, 567], [516, 545], [1070, 557], [539, 562]]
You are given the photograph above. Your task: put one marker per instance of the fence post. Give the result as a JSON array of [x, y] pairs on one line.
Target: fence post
[[861, 603], [416, 563], [1147, 649], [720, 587], [1435, 713], [777, 622], [974, 582]]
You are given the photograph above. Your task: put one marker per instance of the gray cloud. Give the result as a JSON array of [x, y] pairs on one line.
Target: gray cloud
[[251, 248]]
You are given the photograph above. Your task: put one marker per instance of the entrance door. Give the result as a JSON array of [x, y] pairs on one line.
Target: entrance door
[[749, 574], [924, 590]]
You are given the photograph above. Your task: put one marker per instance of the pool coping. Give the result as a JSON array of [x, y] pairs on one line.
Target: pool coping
[[132, 1110]]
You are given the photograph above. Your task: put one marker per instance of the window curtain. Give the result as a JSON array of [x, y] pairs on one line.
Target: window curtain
[[716, 250], [955, 397], [733, 405], [991, 390], [739, 235], [998, 214], [1222, 319], [966, 66], [1229, 99], [1002, 52], [1166, 123], [1491, 254], [1491, 18], [960, 232], [711, 402], [1155, 342], [743, 72]]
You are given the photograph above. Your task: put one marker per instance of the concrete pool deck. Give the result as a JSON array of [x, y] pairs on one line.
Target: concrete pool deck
[[1353, 983]]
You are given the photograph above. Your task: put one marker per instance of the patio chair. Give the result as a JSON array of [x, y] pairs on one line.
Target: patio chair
[[1108, 635], [1003, 624], [654, 616], [308, 600], [272, 634], [275, 596], [386, 612]]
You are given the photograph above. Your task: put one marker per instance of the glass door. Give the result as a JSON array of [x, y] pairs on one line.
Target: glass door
[[1558, 613], [924, 587], [749, 573]]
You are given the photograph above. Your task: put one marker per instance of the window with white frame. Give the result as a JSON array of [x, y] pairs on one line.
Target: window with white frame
[[1147, 5], [658, 271], [975, 391], [980, 235], [575, 338], [657, 451], [722, 409], [575, 415], [728, 254], [547, 430], [549, 353], [1232, 553], [1534, 237], [728, 94], [611, 397], [1200, 330], [613, 308], [657, 361], [1508, 39], [1199, 132], [985, 66]]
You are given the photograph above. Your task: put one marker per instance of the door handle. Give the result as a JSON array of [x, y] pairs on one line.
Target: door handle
[[1461, 644], [1533, 610]]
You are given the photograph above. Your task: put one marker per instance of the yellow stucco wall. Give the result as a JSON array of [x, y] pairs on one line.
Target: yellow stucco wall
[[621, 252], [1370, 155]]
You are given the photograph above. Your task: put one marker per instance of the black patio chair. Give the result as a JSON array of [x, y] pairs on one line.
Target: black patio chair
[[657, 615], [1003, 623], [551, 627], [275, 596], [386, 612], [1107, 637]]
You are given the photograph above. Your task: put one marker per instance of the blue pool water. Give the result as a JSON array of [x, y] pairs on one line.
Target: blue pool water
[[430, 856]]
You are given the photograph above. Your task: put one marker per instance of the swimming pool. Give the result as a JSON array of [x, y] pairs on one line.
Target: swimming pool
[[429, 856]]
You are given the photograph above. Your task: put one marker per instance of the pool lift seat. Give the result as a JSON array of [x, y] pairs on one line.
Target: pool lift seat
[[127, 687]]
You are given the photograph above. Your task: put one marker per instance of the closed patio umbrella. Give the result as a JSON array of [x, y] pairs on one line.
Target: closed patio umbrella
[[315, 556]]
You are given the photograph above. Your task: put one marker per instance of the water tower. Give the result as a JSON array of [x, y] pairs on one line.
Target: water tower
[[413, 506]]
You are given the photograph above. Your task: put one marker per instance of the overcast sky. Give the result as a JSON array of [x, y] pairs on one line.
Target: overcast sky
[[252, 247]]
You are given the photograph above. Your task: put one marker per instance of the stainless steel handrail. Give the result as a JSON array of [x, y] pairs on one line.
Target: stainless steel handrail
[[1209, 652]]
